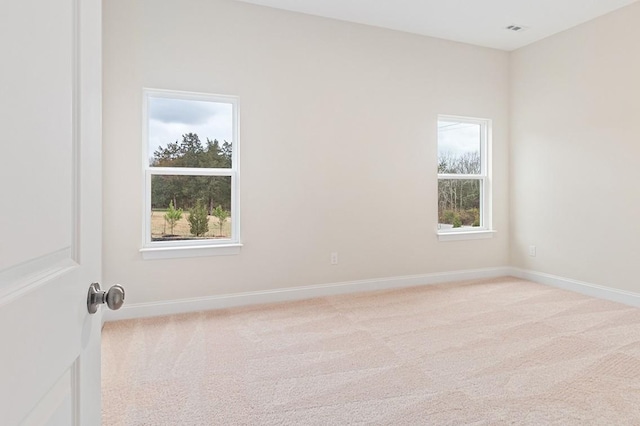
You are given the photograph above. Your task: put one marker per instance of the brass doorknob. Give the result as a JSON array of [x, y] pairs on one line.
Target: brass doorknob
[[114, 298]]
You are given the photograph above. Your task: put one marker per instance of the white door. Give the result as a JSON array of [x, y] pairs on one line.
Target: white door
[[50, 211]]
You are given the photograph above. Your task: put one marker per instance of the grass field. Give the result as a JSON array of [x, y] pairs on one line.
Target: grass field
[[160, 227]]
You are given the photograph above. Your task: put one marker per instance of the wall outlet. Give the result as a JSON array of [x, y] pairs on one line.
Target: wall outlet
[[334, 258], [532, 251]]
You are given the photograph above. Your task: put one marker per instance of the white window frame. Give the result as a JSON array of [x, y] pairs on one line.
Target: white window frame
[[485, 229], [190, 248]]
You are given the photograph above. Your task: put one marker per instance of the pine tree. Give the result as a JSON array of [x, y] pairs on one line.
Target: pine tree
[[222, 215], [172, 216], [198, 219]]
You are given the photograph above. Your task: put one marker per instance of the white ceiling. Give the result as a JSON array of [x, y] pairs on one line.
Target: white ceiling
[[479, 22]]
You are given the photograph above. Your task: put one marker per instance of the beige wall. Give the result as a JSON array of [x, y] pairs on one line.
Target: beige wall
[[338, 143], [575, 151]]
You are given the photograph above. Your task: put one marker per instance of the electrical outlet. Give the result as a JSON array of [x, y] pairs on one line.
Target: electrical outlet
[[532, 251], [334, 258]]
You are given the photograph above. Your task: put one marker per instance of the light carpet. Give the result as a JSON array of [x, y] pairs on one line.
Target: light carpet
[[503, 351]]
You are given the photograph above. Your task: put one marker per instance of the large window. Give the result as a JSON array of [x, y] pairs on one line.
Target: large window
[[191, 172], [463, 175]]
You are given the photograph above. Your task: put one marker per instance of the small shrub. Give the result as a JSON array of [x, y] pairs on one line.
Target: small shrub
[[198, 220], [476, 217], [222, 215], [470, 217], [457, 222], [448, 216], [466, 217], [172, 216]]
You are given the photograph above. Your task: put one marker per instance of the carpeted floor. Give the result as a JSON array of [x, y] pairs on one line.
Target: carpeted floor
[[502, 351]]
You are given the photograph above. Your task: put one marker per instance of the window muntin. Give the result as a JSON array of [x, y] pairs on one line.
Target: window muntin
[[191, 170], [463, 181]]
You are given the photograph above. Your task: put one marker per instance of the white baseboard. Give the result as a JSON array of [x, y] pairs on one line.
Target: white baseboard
[[588, 289], [170, 307]]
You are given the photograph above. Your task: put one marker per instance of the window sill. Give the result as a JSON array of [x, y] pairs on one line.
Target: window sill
[[153, 253], [465, 235]]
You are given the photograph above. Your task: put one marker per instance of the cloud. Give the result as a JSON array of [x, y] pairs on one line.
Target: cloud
[[457, 138], [181, 111]]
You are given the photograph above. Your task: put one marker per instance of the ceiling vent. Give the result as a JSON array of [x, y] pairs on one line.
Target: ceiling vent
[[517, 28]]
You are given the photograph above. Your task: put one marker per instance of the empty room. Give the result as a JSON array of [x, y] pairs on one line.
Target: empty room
[[272, 212]]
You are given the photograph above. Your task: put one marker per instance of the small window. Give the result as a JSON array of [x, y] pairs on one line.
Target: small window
[[191, 170], [463, 175]]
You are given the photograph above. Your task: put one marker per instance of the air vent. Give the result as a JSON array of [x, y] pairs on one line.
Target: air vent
[[517, 28]]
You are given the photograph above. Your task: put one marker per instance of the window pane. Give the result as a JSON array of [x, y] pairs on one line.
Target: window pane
[[459, 203], [459, 147], [188, 133], [190, 207]]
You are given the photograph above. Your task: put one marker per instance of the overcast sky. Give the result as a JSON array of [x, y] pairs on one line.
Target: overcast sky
[[169, 119], [458, 138]]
